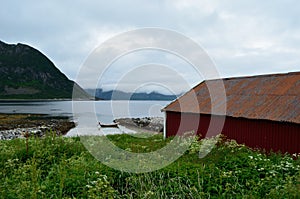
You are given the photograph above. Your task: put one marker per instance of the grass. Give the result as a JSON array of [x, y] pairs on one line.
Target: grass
[[58, 167]]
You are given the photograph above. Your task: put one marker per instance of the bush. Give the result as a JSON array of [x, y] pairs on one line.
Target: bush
[[59, 167]]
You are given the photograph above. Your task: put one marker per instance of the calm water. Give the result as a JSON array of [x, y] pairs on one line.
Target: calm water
[[88, 113]]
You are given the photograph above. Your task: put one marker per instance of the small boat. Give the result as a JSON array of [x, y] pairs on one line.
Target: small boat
[[113, 125]]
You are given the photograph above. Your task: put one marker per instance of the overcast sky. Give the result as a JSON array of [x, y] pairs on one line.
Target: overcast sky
[[246, 37]]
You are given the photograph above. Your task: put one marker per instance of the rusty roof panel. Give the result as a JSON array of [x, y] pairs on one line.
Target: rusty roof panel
[[272, 97]]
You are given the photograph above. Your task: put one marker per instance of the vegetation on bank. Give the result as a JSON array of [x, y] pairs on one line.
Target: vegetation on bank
[[60, 167]]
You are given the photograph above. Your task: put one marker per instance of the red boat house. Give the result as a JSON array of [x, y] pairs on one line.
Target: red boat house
[[261, 111]]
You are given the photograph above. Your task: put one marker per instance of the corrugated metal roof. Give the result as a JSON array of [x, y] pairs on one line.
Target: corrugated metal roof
[[273, 97]]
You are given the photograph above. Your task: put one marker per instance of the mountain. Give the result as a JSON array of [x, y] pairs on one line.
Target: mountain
[[120, 95], [25, 73]]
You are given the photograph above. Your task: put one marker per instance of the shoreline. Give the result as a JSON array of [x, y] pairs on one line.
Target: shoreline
[[15, 125], [145, 124]]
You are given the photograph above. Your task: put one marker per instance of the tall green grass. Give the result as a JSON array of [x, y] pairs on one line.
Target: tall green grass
[[58, 167]]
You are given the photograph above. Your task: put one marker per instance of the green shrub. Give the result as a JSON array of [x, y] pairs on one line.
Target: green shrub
[[59, 167]]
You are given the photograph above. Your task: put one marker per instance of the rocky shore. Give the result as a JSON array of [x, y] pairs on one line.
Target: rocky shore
[[152, 124], [17, 125]]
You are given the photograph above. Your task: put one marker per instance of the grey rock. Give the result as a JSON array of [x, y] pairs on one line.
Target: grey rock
[[155, 124]]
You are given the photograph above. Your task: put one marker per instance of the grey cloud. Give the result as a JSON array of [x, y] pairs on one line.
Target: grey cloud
[[242, 37]]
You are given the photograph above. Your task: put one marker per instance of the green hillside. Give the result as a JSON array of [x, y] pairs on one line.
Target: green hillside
[[25, 73]]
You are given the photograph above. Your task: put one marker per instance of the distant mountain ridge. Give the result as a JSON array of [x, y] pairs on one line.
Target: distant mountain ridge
[[120, 95], [26, 73]]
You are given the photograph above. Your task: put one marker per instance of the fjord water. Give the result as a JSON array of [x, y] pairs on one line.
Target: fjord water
[[88, 111]]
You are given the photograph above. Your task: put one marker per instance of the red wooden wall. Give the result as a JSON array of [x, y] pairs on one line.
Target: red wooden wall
[[263, 134]]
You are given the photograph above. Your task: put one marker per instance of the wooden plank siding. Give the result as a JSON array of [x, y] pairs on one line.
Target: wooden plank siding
[[255, 133]]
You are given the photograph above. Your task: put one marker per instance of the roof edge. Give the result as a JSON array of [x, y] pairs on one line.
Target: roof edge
[[230, 116], [260, 75], [172, 102]]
